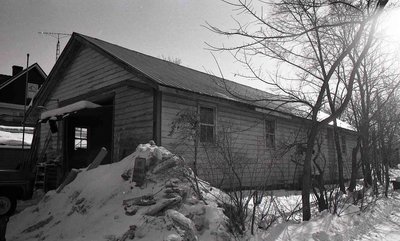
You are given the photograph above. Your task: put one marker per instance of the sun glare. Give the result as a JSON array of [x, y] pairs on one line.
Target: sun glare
[[390, 27]]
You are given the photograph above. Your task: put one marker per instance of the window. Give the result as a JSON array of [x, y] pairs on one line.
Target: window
[[344, 144], [207, 125], [81, 140], [270, 133]]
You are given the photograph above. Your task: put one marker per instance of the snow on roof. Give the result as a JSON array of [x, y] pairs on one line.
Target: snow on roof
[[304, 111], [80, 105], [340, 123]]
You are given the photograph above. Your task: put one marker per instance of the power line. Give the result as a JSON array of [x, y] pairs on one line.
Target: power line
[[58, 36]]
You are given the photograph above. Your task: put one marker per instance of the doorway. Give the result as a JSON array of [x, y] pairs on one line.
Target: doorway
[[86, 132]]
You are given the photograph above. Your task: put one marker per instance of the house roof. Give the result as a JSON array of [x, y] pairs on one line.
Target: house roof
[[15, 77], [172, 75], [4, 78], [165, 73]]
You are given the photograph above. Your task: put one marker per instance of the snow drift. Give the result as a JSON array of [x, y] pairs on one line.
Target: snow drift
[[100, 205]]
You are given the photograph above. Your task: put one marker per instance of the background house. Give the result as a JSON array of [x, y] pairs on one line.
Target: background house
[[12, 95], [12, 92], [108, 96]]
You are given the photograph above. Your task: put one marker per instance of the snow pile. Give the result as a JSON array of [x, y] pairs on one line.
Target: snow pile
[[104, 204], [378, 222], [100, 205]]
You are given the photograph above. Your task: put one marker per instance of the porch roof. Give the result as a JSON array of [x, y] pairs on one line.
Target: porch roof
[[62, 111]]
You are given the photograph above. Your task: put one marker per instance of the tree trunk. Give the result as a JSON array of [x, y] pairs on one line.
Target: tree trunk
[[387, 178], [339, 157], [354, 167], [365, 155], [306, 187]]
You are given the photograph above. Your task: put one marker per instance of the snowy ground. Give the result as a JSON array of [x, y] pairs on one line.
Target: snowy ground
[[381, 221], [91, 208]]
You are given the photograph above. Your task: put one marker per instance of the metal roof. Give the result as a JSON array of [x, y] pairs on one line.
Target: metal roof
[[176, 76]]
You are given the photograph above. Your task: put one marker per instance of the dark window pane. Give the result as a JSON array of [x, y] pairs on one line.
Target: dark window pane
[[206, 115], [270, 141], [270, 126], [206, 133], [210, 134], [269, 133]]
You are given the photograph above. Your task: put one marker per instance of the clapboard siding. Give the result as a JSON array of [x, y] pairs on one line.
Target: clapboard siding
[[133, 119], [89, 71], [351, 142], [259, 166]]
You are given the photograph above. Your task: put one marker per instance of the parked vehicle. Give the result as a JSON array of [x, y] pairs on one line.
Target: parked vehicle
[[15, 185]]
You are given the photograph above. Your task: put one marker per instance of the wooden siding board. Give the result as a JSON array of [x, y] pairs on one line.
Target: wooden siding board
[[133, 119], [89, 71], [258, 168]]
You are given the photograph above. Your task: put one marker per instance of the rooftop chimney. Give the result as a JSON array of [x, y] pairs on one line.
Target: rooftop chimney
[[16, 69]]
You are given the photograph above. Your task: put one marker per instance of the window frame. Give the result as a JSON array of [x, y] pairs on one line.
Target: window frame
[[81, 138], [270, 134], [214, 125]]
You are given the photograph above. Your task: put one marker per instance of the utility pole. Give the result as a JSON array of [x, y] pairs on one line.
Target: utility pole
[[58, 36], [25, 96]]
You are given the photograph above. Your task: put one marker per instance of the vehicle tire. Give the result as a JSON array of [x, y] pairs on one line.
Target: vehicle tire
[[8, 204]]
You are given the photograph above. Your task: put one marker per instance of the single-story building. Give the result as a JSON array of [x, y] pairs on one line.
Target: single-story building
[[104, 95]]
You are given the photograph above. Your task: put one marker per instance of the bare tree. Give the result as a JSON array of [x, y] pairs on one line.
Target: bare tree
[[174, 60], [307, 36], [387, 124], [377, 84], [187, 126]]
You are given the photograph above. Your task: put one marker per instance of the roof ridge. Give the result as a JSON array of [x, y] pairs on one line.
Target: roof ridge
[[168, 62], [7, 82]]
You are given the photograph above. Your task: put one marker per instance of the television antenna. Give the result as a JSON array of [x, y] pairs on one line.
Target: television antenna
[[58, 36]]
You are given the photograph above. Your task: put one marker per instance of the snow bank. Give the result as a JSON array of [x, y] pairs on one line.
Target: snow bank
[[378, 222], [100, 205]]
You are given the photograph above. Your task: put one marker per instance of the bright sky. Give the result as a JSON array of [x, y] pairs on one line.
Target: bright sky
[[155, 27], [170, 28]]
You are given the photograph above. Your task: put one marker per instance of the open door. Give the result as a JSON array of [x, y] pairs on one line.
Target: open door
[[86, 132]]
